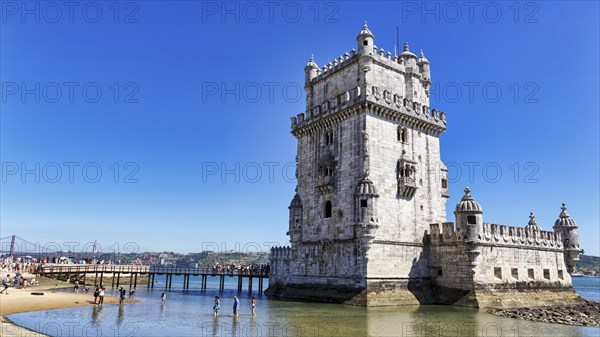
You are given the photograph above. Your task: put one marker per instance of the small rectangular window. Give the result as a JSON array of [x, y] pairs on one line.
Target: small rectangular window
[[547, 274], [363, 203], [440, 272], [365, 43], [515, 273], [498, 272], [471, 220], [530, 274], [444, 183], [560, 275]]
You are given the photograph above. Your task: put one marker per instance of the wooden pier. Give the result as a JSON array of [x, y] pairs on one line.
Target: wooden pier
[[131, 273]]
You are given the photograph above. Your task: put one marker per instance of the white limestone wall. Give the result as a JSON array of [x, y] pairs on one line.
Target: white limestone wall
[[401, 219], [524, 260]]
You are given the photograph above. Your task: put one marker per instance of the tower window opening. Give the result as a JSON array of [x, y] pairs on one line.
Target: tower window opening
[[515, 273], [471, 220], [547, 274], [530, 274], [365, 43], [363, 203], [498, 272], [402, 135], [329, 137], [444, 183], [328, 209]]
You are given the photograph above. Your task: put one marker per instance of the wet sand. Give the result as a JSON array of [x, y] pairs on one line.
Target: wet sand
[[22, 300]]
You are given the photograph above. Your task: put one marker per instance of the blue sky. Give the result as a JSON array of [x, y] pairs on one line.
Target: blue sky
[[167, 124]]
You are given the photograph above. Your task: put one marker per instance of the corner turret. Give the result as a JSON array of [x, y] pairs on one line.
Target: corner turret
[[469, 217], [295, 226], [366, 41], [425, 71], [311, 70], [570, 235]]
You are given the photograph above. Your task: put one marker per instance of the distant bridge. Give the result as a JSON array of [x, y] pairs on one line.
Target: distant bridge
[[79, 272]]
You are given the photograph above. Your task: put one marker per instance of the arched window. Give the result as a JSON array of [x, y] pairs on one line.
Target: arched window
[[328, 137], [402, 134], [327, 209]]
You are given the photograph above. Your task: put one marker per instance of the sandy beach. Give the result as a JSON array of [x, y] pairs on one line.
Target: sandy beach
[[22, 300]]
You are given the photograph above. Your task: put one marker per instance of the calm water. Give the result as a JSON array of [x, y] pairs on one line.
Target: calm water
[[189, 313]]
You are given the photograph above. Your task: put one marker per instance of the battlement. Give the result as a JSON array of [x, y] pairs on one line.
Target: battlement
[[498, 235], [385, 103], [523, 236], [281, 253]]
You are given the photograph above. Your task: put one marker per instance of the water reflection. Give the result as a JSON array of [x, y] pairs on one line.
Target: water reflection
[[191, 314], [121, 314], [96, 314]]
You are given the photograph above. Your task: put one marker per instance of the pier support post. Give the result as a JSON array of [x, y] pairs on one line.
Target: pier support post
[[250, 284], [135, 281], [152, 286], [239, 283], [101, 278], [112, 285], [170, 281], [260, 285], [167, 281], [221, 282], [118, 279]]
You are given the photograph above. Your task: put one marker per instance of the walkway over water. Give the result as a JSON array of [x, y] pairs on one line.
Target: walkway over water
[[79, 272]]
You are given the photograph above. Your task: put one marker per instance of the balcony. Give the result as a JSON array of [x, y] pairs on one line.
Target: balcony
[[407, 187]]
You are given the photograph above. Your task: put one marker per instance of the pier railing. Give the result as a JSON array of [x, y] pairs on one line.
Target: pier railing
[[106, 268]]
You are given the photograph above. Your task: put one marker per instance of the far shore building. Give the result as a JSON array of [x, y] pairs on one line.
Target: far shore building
[[368, 222]]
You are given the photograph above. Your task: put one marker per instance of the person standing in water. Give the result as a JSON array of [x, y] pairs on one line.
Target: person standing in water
[[236, 303], [217, 306], [101, 296], [163, 298], [96, 293], [122, 293], [253, 305]]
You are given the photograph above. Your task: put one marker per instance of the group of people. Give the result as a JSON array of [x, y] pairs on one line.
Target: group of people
[[236, 304], [100, 291], [240, 269], [18, 282]]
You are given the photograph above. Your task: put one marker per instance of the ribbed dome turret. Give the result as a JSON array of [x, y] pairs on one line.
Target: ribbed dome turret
[[467, 203], [422, 59], [564, 220], [311, 63], [532, 223], [365, 32], [407, 53], [366, 187]]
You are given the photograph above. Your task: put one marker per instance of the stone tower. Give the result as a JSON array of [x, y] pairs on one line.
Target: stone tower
[[370, 177]]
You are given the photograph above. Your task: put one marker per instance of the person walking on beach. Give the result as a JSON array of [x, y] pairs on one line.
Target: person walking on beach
[[217, 306], [236, 303], [122, 293], [76, 287], [6, 284], [131, 293], [163, 298], [253, 305], [101, 296], [96, 293]]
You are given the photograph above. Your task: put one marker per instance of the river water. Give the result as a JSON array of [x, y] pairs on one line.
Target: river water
[[189, 313]]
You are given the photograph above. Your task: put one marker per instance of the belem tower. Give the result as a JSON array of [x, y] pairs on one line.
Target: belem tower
[[368, 222]]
